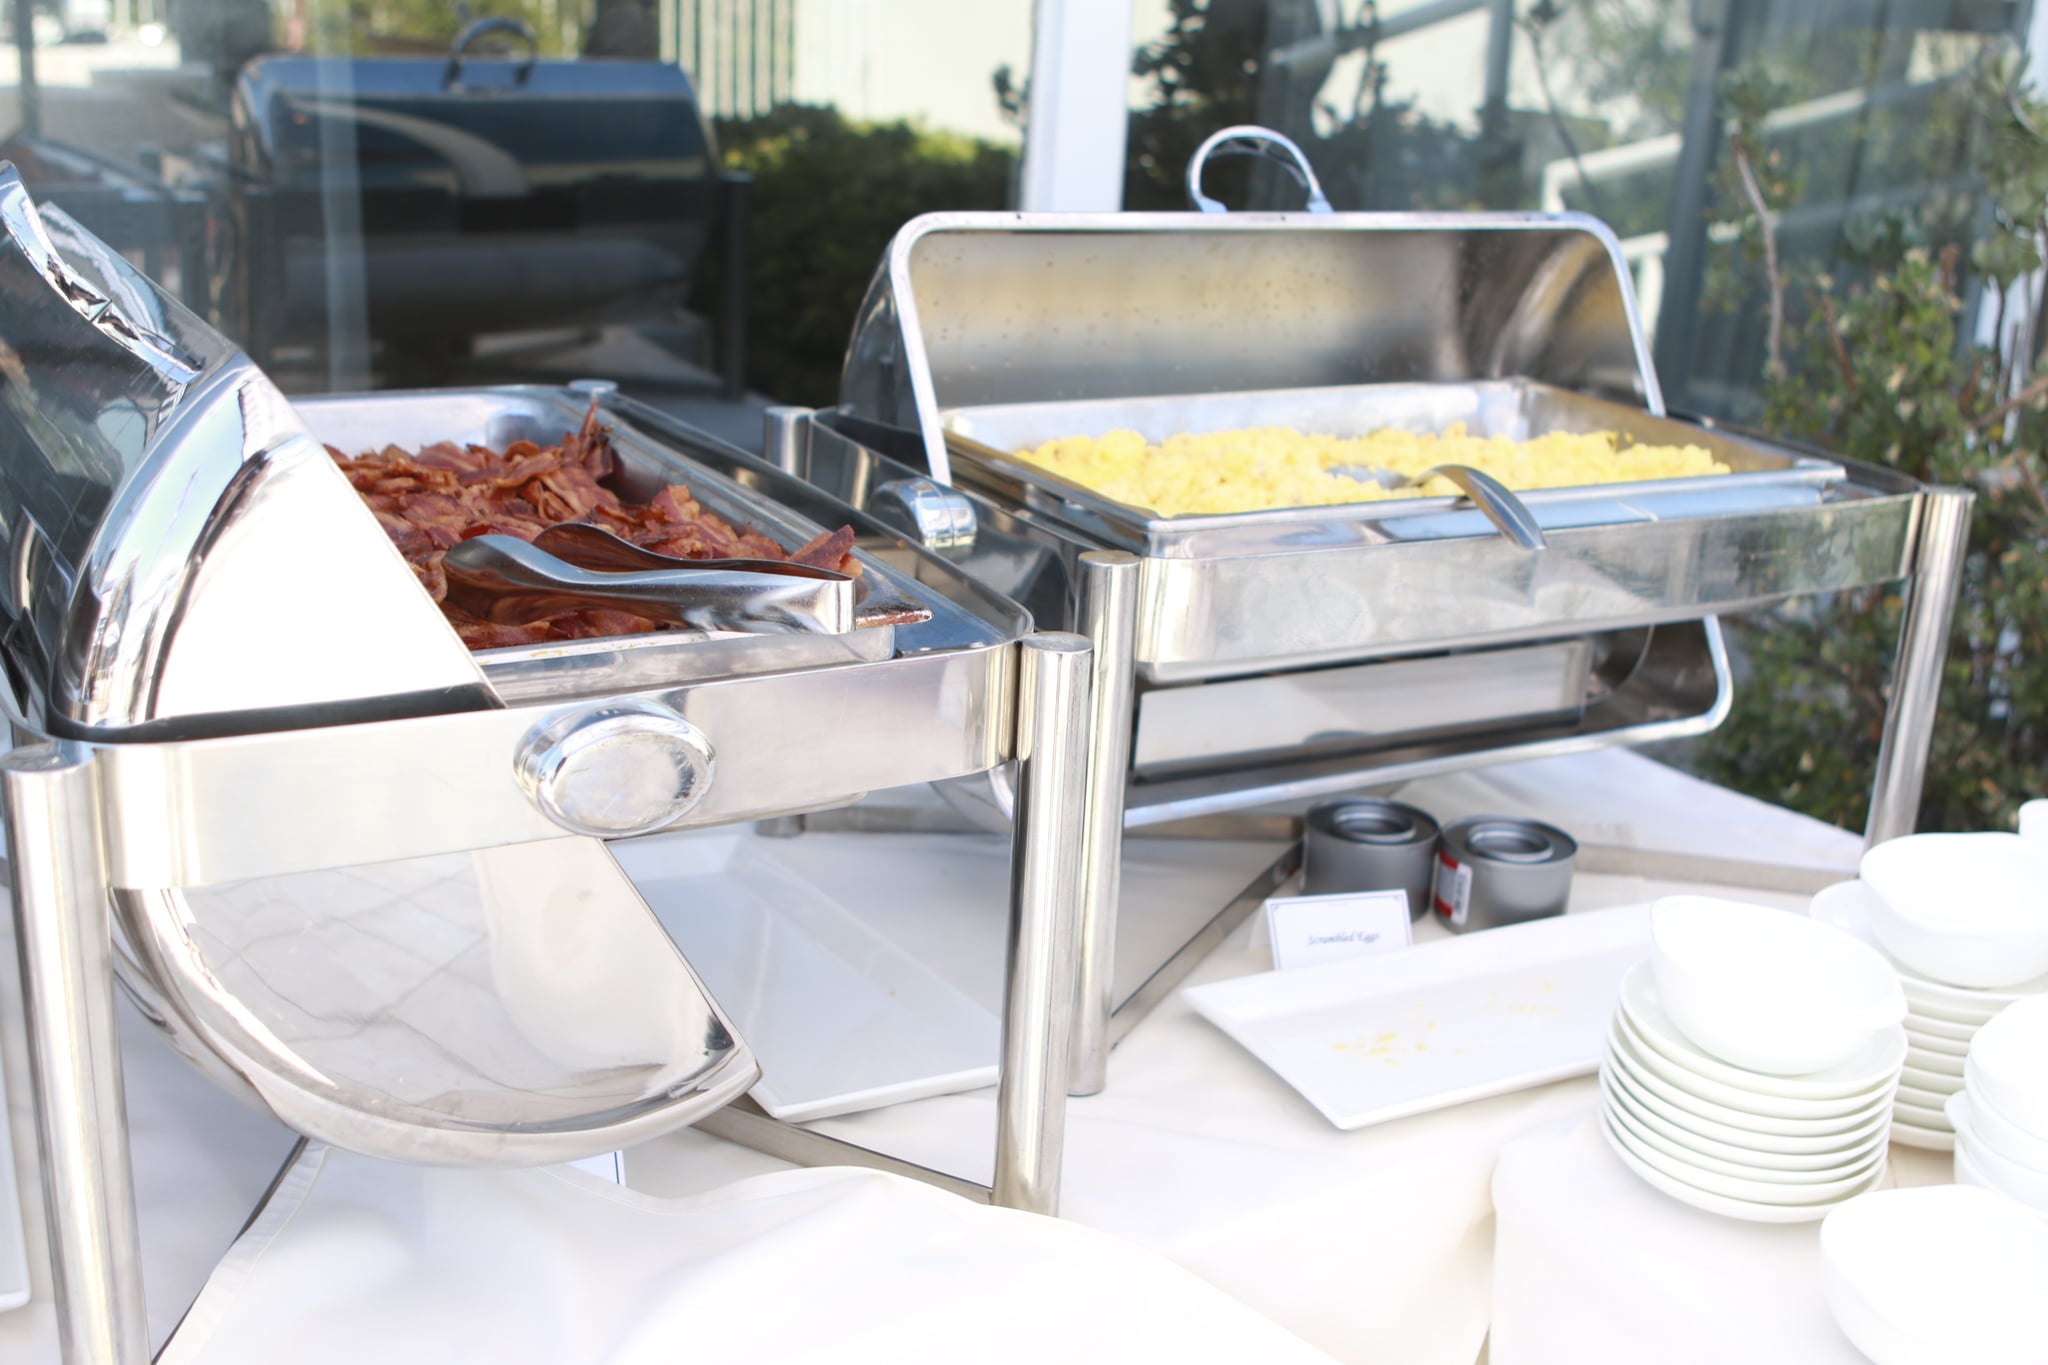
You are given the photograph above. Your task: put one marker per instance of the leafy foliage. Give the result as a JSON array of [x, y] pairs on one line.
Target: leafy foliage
[[1200, 76], [1211, 69], [828, 195], [424, 26], [1888, 370]]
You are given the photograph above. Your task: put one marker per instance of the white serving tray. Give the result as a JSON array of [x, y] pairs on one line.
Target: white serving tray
[[841, 1018], [1437, 1024]]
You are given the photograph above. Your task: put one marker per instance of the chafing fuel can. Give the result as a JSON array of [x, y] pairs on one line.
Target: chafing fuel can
[[1497, 869], [1365, 843]]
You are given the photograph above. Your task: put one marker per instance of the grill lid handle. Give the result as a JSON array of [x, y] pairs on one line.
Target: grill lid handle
[[452, 77], [1247, 139]]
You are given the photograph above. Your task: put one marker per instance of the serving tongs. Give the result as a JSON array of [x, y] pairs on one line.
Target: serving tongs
[[508, 581], [1509, 514]]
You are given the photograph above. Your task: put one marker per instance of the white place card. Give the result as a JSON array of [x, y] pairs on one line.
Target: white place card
[[1306, 930]]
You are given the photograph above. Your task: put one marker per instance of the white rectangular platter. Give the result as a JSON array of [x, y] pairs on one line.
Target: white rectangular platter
[[1439, 1023], [841, 1018]]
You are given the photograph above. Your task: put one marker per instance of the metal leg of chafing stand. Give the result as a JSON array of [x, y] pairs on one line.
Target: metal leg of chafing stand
[[1916, 674], [64, 937], [1041, 965], [1047, 904], [1109, 617]]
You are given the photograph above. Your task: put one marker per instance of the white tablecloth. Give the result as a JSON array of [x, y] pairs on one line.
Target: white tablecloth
[[357, 1260], [202, 1161], [1593, 1267], [1373, 1246]]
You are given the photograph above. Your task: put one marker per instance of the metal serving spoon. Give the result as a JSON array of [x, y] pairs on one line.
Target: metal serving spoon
[[1489, 494], [506, 580]]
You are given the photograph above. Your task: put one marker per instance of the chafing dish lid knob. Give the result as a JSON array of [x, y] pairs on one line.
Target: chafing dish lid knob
[[616, 768]]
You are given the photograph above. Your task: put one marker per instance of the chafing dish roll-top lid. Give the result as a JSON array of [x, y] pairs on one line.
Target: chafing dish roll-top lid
[[183, 558], [969, 309]]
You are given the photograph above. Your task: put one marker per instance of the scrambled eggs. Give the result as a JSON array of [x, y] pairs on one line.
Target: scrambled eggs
[[1257, 468]]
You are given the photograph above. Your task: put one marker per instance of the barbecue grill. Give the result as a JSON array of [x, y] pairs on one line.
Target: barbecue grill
[[358, 873], [1262, 659], [495, 194]]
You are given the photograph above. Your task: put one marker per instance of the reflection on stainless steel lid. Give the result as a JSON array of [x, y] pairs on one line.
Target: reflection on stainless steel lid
[[509, 1004], [182, 550]]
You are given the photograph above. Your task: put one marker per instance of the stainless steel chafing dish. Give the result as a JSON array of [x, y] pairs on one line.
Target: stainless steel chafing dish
[[1265, 658], [357, 873]]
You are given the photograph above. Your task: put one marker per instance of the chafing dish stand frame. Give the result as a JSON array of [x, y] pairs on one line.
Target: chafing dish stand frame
[[78, 825], [892, 385], [1107, 615], [1107, 602]]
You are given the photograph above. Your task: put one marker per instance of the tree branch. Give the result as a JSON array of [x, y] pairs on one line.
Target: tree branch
[[2018, 400], [1827, 313], [2032, 480], [1534, 33], [1774, 346]]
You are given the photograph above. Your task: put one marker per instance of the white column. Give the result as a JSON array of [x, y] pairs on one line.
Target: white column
[[1080, 80]]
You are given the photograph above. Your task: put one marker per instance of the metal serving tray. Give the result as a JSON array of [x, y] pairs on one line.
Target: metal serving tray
[[499, 416], [1001, 328], [983, 441]]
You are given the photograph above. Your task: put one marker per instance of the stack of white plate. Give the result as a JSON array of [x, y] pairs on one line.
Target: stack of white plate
[[1960, 935], [1714, 1130], [2001, 1113]]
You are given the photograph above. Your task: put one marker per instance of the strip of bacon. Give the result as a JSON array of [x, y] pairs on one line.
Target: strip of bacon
[[446, 493]]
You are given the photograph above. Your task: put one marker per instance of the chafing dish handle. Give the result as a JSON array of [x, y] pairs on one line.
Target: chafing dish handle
[[1248, 139], [452, 77]]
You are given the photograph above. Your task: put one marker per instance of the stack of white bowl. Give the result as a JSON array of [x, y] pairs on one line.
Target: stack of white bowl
[[2000, 1115], [1964, 918], [1938, 1275], [1751, 1062]]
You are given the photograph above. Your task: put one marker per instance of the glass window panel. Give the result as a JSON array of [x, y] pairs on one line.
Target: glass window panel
[[1610, 107], [564, 198]]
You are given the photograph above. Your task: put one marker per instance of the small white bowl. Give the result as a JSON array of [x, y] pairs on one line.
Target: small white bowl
[[2008, 1064], [1852, 907], [1688, 1118], [2023, 1183], [1866, 1077], [1949, 1029], [1767, 1114], [1919, 1115], [1940, 1082], [1940, 1063], [1966, 909], [1922, 1098], [1919, 1006], [1767, 990], [1932, 1045], [1684, 1142], [2034, 820], [1937, 1275], [1999, 1135]]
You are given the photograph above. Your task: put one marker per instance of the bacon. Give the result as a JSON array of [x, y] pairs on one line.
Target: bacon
[[828, 551], [448, 492]]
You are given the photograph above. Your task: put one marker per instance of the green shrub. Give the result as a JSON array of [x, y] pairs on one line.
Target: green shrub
[[1889, 370], [828, 195]]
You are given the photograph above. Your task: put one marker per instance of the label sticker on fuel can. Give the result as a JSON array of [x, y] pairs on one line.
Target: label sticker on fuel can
[[1451, 890]]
